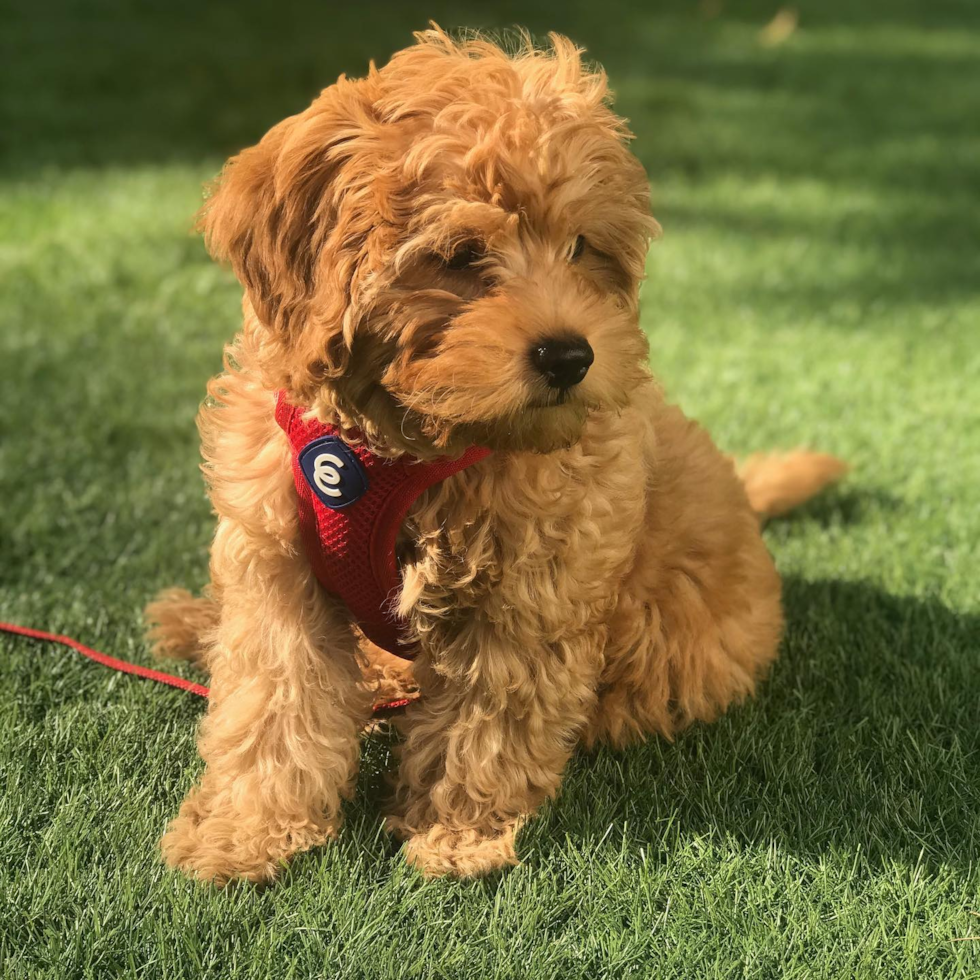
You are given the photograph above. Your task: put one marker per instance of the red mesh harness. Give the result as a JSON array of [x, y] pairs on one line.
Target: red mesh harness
[[351, 506]]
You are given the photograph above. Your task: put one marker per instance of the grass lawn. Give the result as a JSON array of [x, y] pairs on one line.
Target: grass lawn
[[818, 283]]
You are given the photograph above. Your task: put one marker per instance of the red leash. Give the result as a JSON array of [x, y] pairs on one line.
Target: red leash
[[106, 660], [126, 667]]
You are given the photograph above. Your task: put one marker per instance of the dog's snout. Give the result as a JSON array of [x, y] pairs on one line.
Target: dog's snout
[[563, 362]]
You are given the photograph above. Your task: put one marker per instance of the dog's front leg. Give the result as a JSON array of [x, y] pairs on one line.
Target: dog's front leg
[[280, 740], [485, 746]]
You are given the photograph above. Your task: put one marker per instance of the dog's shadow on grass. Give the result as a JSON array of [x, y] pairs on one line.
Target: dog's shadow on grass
[[866, 739], [842, 506]]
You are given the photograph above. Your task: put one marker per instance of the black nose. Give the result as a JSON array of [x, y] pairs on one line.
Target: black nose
[[562, 362]]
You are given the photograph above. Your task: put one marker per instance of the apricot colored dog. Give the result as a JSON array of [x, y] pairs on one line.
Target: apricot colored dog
[[446, 254]]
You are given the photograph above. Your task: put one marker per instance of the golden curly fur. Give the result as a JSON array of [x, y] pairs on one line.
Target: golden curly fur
[[403, 243]]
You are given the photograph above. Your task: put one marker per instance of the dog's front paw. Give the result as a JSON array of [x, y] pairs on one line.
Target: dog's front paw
[[441, 851], [221, 848]]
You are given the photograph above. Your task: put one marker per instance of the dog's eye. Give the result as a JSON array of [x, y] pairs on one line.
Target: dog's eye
[[577, 249], [465, 255]]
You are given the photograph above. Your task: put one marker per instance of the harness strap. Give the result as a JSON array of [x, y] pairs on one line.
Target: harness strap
[[352, 504]]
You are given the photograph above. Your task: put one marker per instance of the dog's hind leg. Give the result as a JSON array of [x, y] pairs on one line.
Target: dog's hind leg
[[698, 618], [181, 624], [673, 659]]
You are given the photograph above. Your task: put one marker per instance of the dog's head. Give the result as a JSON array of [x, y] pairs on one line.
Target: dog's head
[[447, 251]]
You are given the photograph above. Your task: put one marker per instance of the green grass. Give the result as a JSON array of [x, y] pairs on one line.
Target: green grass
[[818, 283]]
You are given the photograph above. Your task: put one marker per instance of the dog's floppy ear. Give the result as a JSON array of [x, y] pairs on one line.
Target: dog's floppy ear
[[276, 214]]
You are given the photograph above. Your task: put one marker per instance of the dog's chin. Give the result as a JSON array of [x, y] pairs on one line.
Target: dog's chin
[[542, 426]]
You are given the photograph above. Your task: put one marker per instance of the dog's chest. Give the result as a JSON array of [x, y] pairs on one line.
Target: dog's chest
[[524, 541]]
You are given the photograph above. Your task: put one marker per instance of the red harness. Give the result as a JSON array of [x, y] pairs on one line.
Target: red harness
[[351, 506]]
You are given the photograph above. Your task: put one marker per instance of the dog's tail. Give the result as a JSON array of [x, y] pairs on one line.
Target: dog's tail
[[180, 624], [778, 482]]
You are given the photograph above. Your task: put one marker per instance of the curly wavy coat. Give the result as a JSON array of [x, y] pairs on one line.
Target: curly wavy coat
[[406, 244]]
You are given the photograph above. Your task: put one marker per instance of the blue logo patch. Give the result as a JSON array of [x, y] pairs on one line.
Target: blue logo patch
[[333, 471]]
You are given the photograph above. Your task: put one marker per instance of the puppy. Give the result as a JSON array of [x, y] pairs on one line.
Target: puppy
[[438, 259]]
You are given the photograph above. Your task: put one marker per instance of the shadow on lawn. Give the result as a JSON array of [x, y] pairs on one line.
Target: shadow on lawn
[[843, 506], [866, 739]]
